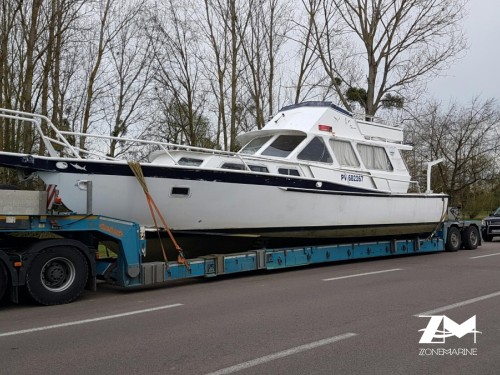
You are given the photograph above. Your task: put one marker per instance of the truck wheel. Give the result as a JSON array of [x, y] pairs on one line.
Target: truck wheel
[[453, 239], [3, 281], [56, 276], [470, 238]]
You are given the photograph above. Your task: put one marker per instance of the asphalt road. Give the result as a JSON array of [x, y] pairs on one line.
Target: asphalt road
[[349, 318]]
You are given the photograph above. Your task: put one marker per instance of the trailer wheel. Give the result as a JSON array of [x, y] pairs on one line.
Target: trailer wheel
[[3, 281], [453, 239], [57, 276], [470, 238]]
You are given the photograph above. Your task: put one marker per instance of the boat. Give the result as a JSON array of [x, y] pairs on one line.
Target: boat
[[314, 172]]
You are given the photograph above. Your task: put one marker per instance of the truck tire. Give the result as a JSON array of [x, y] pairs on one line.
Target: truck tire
[[470, 238], [57, 275], [3, 281], [453, 239]]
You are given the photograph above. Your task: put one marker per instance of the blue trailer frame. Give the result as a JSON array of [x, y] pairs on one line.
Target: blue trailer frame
[[81, 234]]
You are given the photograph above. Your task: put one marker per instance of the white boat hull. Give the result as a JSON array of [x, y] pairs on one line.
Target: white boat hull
[[247, 209]]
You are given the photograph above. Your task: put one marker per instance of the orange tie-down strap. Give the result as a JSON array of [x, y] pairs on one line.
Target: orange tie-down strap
[[154, 210]]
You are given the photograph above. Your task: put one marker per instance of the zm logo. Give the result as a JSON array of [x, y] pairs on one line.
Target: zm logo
[[440, 327]]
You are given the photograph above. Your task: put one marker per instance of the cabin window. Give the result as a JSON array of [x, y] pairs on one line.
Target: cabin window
[[233, 166], [283, 145], [254, 145], [374, 157], [241, 167], [344, 153], [190, 161], [288, 171], [316, 151], [258, 168]]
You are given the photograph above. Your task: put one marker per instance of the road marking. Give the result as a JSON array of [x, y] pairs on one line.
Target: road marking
[[484, 256], [363, 274], [460, 304], [85, 321], [282, 354]]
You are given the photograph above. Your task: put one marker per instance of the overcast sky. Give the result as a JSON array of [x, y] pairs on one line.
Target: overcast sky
[[478, 73]]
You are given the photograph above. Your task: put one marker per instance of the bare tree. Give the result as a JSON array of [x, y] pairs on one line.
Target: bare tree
[[29, 21], [179, 87], [113, 16], [105, 8], [403, 42], [308, 53], [216, 63], [59, 16], [32, 37], [8, 96], [78, 61], [465, 137], [223, 23], [263, 38], [66, 14], [130, 55], [253, 46]]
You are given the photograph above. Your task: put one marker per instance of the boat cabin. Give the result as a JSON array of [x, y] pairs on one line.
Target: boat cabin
[[316, 140]]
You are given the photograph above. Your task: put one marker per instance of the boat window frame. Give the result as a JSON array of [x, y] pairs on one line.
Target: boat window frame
[[233, 166], [287, 152], [267, 137], [325, 149], [253, 167], [373, 165], [190, 162], [339, 160], [258, 168], [280, 169]]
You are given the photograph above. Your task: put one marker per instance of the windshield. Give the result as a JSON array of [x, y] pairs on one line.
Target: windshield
[[283, 145], [497, 212], [254, 145]]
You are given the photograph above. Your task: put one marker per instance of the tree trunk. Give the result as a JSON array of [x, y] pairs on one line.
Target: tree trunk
[[27, 92]]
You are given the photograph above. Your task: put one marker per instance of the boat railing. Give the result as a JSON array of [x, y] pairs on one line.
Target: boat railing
[[36, 120], [373, 128], [77, 152], [374, 119], [61, 138]]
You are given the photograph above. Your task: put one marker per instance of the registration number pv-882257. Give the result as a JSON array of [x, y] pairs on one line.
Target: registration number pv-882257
[[351, 177]]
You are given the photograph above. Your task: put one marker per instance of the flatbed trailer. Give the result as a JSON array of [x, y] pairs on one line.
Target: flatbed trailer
[[55, 255]]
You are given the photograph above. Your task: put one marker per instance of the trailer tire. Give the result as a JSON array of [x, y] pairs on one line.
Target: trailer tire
[[470, 238], [57, 275], [453, 239], [3, 281]]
